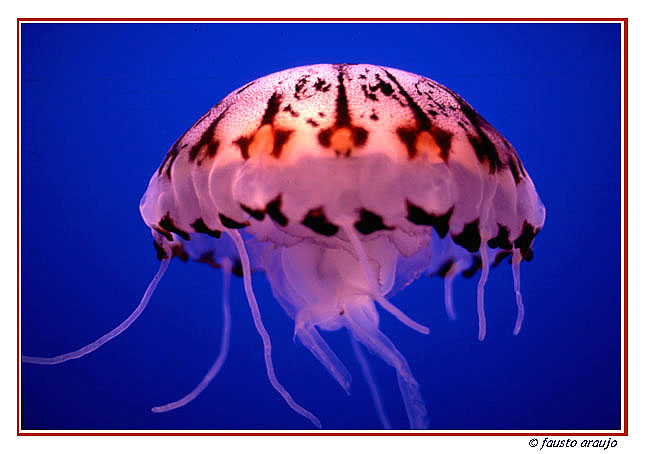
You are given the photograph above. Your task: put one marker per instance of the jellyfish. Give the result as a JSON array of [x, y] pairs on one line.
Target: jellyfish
[[343, 184]]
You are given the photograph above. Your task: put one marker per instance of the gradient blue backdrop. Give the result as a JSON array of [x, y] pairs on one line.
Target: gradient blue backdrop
[[101, 105]]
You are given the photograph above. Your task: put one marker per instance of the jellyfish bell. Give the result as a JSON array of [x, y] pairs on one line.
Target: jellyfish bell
[[344, 184]]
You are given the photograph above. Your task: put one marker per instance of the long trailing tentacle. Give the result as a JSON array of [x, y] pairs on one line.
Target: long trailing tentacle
[[449, 306], [366, 331], [112, 334], [515, 268], [372, 384], [482, 321], [313, 341], [372, 281], [224, 345], [264, 335]]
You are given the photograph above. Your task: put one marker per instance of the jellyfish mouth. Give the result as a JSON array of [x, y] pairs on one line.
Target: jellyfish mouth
[[334, 287]]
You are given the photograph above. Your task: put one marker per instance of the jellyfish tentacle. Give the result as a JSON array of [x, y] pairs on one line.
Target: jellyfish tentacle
[[448, 290], [264, 335], [372, 281], [372, 384], [224, 346], [312, 340], [365, 330], [515, 269], [89, 348], [482, 320]]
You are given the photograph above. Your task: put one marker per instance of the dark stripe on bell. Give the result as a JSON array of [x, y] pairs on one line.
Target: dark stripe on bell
[[470, 237], [243, 143], [200, 227], [207, 138], [231, 224], [273, 106], [316, 220], [281, 136], [423, 122], [342, 110], [370, 222]]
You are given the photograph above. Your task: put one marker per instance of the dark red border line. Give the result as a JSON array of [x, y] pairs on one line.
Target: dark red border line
[[334, 19], [625, 171], [326, 19], [18, 222]]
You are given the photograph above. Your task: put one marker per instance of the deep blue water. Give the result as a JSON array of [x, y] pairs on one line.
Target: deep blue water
[[101, 105]]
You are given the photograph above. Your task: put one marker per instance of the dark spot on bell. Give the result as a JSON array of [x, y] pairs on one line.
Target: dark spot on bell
[[373, 116], [359, 136], [476, 264], [501, 240], [273, 210], [161, 252], [179, 252], [288, 108], [166, 234], [443, 270], [439, 222], [324, 137], [524, 241], [256, 214], [167, 224], [382, 85], [500, 256], [200, 227], [370, 222], [527, 254], [368, 94], [312, 122], [231, 224], [316, 220], [470, 237], [236, 269], [322, 85], [300, 86], [207, 257]]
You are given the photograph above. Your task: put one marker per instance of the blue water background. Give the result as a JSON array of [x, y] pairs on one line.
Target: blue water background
[[101, 105]]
